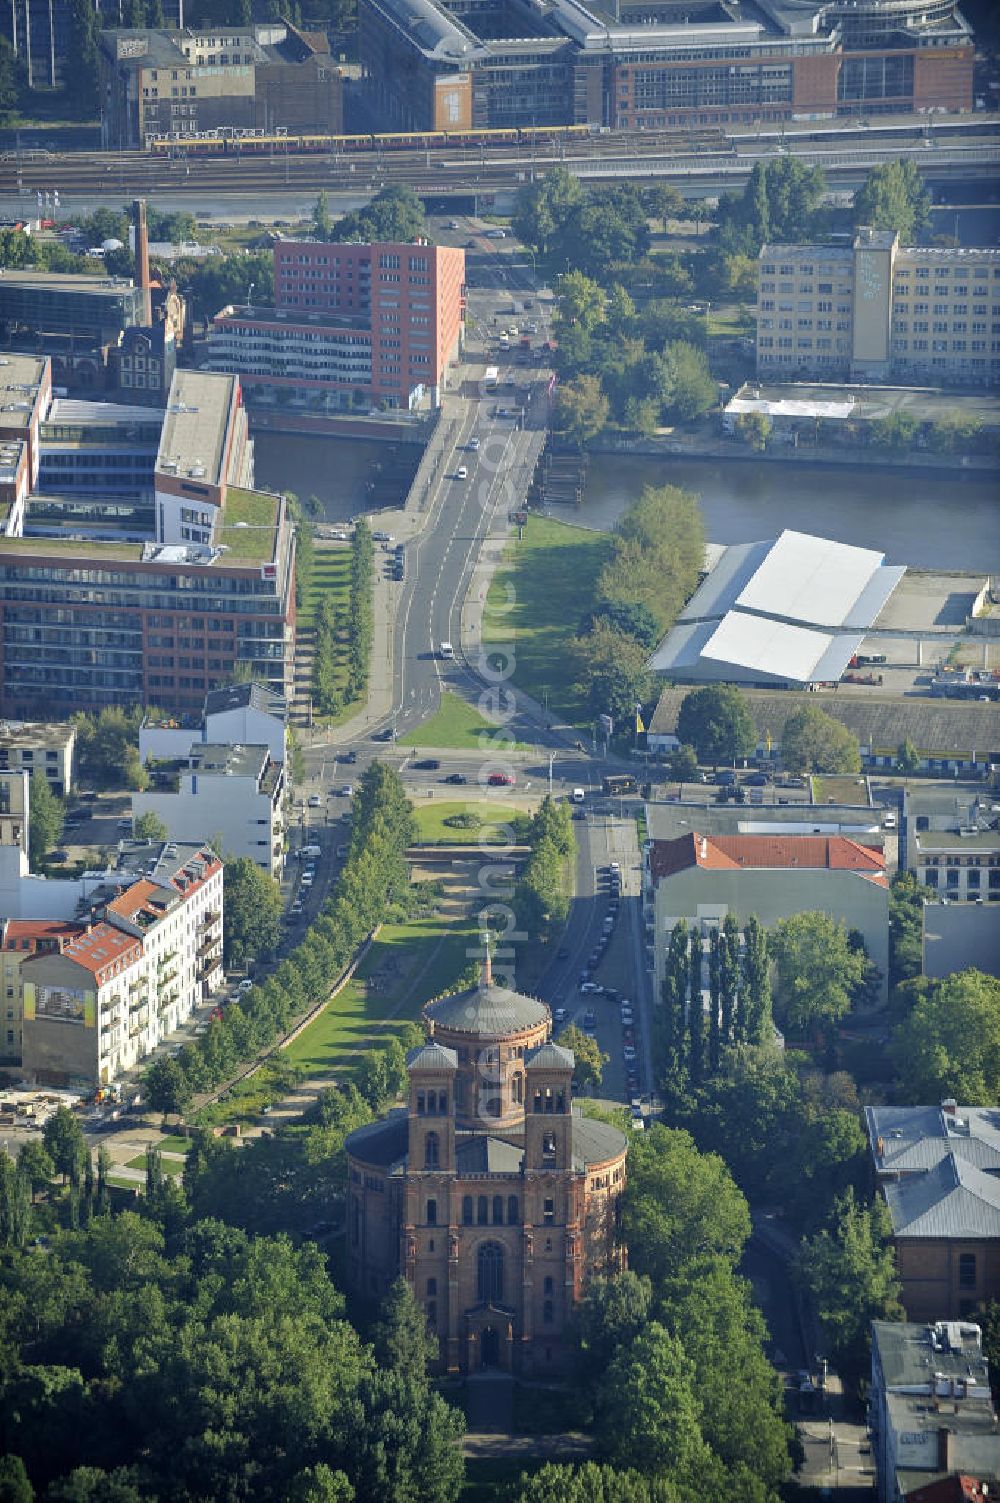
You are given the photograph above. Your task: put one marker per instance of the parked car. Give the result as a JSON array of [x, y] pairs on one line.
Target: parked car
[[590, 1020], [427, 764], [348, 789], [501, 780], [245, 985], [591, 988], [456, 777], [757, 780], [628, 1053], [315, 802], [724, 779], [560, 1015]]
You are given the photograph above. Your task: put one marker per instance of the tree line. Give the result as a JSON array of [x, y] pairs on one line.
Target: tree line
[[375, 877], [352, 620], [542, 892]]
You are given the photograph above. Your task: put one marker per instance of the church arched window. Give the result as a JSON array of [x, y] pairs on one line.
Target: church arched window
[[432, 1151], [489, 1273]]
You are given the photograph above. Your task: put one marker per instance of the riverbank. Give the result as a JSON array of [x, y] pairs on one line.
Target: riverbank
[[785, 454]]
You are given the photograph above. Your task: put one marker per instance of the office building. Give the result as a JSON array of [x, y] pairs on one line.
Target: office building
[[952, 838], [235, 793], [790, 611], [441, 65], [353, 326], [45, 747], [152, 599], [938, 1168], [488, 1192], [144, 959], [702, 879], [235, 715], [91, 310], [929, 1409], [267, 78], [878, 311]]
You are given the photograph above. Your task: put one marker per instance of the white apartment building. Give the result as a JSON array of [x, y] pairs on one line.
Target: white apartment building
[[109, 996], [876, 310], [28, 747], [236, 715], [230, 795]]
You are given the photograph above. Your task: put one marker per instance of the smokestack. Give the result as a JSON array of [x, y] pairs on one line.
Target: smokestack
[[142, 258], [944, 1449]]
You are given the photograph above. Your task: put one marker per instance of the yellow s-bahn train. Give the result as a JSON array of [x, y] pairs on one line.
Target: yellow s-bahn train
[[230, 142]]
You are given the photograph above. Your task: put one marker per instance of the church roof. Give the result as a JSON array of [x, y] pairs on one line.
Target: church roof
[[594, 1142], [487, 1010], [382, 1143], [481, 1154], [551, 1056], [432, 1056]]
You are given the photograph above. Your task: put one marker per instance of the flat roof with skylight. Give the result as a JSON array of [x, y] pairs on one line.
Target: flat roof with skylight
[[192, 443]]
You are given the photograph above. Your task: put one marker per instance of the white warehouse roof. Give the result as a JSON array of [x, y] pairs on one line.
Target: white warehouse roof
[[793, 611]]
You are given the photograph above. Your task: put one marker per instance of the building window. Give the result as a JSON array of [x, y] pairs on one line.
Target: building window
[[432, 1151], [513, 1216], [549, 1212], [432, 1213], [549, 1286], [498, 1210], [442, 1103], [432, 1287], [421, 1105], [482, 1210], [967, 1270], [466, 1210], [489, 1270], [548, 1312]]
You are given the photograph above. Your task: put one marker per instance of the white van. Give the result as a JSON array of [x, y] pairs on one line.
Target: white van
[[446, 651], [577, 796], [310, 850]]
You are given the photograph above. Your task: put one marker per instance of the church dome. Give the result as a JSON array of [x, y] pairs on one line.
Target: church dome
[[486, 1011]]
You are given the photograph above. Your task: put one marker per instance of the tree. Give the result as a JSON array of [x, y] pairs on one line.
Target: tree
[[150, 826], [647, 1414], [581, 300], [611, 672], [813, 741], [894, 197], [581, 410], [954, 431], [658, 554], [393, 214], [620, 312], [906, 927], [757, 1022], [756, 428], [251, 924], [166, 1087], [692, 387], [14, 1484], [542, 207], [716, 722], [322, 221], [663, 201], [949, 1045], [64, 1142], [816, 970], [908, 758], [34, 1160], [780, 201], [611, 1314], [45, 818], [632, 620], [894, 431], [591, 1482], [590, 1062], [683, 764], [402, 1342], [849, 1272]]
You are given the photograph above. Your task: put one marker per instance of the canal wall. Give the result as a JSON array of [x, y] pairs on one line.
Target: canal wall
[[402, 430], [787, 454]]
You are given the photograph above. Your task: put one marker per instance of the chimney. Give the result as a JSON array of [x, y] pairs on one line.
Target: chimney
[[949, 1106], [142, 258], [944, 1449]]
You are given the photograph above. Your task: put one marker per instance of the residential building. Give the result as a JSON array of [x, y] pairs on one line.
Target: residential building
[[234, 792], [147, 957], [152, 598], [352, 326], [957, 1487], [15, 798], [939, 1171], [436, 66], [45, 747], [877, 311], [262, 79], [235, 715], [141, 365], [488, 1192], [951, 737], [19, 940], [952, 841], [929, 1407], [702, 879], [959, 937], [790, 611]]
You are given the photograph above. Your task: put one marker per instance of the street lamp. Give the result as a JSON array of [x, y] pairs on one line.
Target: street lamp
[[552, 757], [250, 296]]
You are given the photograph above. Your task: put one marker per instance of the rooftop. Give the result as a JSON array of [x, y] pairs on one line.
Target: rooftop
[[108, 288], [195, 426], [252, 696], [384, 1145], [764, 852], [953, 1199], [31, 733], [913, 1139], [938, 728], [910, 1355], [860, 403], [487, 1010], [248, 526], [222, 760], [669, 820], [432, 1056], [20, 934], [101, 948]]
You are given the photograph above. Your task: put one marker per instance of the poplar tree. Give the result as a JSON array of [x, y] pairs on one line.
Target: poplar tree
[[757, 981], [729, 974], [696, 1013], [714, 979]]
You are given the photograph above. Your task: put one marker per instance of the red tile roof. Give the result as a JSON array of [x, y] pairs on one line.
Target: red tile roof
[[134, 899], [101, 949], [764, 852], [38, 931]]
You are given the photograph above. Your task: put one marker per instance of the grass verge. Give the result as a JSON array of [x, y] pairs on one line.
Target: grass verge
[[170, 1166], [489, 829], [331, 571], [535, 603], [407, 965], [456, 724]]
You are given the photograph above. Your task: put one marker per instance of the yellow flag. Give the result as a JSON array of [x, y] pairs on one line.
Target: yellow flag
[[639, 727], [767, 742]]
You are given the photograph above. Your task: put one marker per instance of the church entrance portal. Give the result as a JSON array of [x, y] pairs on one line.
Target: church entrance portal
[[490, 1347]]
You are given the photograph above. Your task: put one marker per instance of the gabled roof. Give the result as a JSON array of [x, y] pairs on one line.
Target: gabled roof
[[764, 852], [912, 1139], [102, 948], [954, 1199], [252, 696], [481, 1153]]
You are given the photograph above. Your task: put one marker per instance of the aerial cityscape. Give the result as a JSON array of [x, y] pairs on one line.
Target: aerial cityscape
[[500, 751]]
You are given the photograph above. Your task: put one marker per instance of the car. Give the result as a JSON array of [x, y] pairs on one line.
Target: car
[[456, 778], [513, 331], [577, 796], [471, 244], [342, 852], [60, 855], [310, 872], [453, 224], [307, 879], [125, 823], [590, 1020], [296, 907], [446, 652], [348, 789], [628, 1053], [501, 780], [314, 801], [609, 923], [383, 735], [584, 975], [427, 764], [724, 779], [510, 379], [245, 985], [349, 757], [560, 1015], [591, 988], [308, 851], [888, 821], [462, 473], [629, 1035], [611, 992], [614, 869], [473, 444], [496, 234], [380, 537], [87, 798]]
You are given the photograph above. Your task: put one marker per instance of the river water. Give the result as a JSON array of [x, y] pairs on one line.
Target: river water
[[927, 520]]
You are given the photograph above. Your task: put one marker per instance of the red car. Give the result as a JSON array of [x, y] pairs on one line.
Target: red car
[[501, 780]]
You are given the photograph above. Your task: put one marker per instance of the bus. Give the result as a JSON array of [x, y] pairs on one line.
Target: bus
[[491, 379], [620, 783]]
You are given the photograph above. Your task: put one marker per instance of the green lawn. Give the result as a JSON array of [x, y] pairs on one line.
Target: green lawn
[[432, 829], [170, 1166], [456, 724], [331, 571], [414, 961], [249, 526], [550, 576]]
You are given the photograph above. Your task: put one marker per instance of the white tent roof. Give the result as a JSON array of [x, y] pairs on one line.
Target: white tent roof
[[810, 579]]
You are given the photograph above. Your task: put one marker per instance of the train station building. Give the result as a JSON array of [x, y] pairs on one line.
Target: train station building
[[633, 65]]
